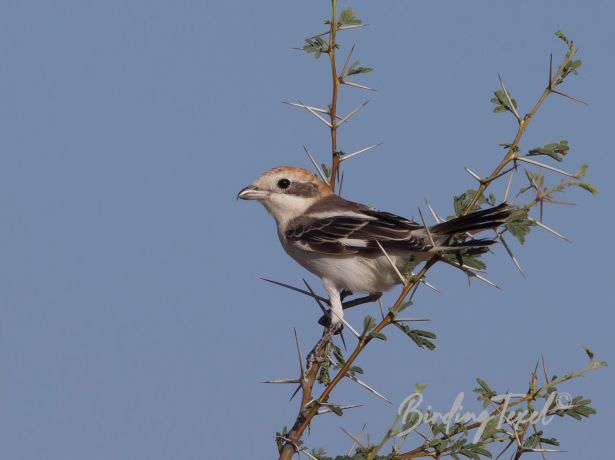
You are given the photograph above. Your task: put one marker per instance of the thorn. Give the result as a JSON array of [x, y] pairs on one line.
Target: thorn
[[292, 288], [569, 96], [345, 69], [486, 281], [508, 185], [401, 320], [510, 443], [433, 244], [356, 85], [354, 443], [303, 106], [282, 381], [347, 117], [552, 201], [339, 189], [326, 410], [512, 256], [532, 181], [346, 27], [354, 438], [295, 393], [343, 340], [473, 174], [320, 173], [381, 308], [429, 285], [316, 114], [512, 107], [352, 26], [305, 451], [471, 272], [368, 388], [346, 323], [550, 84], [401, 278], [549, 229], [433, 213], [300, 355], [544, 368], [503, 173], [542, 165], [322, 307], [358, 152]]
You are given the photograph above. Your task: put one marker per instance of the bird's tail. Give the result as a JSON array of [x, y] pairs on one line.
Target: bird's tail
[[476, 221]]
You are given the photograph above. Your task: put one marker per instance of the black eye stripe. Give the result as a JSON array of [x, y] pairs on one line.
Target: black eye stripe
[[304, 189]]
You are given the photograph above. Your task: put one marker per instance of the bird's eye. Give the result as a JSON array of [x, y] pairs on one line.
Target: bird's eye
[[283, 183]]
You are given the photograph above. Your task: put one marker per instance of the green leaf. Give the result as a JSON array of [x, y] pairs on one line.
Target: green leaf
[[559, 34], [418, 336], [501, 102], [586, 186], [571, 67], [419, 387], [555, 150], [590, 353], [356, 68], [578, 409], [404, 305], [408, 267], [368, 323], [519, 226], [326, 170], [316, 46], [347, 16], [467, 260], [378, 335], [461, 202], [582, 171]]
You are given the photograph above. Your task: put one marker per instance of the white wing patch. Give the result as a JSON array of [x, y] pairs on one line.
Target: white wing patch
[[353, 242]]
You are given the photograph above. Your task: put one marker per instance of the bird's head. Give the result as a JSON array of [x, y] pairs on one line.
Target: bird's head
[[285, 191]]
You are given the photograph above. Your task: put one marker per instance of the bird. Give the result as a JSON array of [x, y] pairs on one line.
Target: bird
[[350, 246]]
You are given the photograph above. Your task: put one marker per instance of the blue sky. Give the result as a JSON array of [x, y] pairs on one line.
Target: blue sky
[[133, 324]]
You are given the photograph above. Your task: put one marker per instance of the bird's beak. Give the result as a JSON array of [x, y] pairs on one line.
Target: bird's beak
[[252, 193]]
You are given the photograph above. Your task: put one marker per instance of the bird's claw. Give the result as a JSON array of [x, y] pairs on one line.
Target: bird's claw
[[325, 320]]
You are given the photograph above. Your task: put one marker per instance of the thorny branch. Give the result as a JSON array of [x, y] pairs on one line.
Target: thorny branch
[[290, 442]]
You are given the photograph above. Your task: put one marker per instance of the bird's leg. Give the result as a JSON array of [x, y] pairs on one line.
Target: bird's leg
[[336, 313], [361, 300], [325, 320]]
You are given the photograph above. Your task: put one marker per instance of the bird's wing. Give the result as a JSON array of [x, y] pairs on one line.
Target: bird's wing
[[355, 232]]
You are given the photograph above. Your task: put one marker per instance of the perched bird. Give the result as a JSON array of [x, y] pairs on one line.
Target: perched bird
[[338, 240]]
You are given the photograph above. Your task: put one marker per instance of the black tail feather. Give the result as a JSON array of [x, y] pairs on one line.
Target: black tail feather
[[483, 219]]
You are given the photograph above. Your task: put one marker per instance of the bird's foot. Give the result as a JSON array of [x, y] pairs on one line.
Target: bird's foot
[[325, 320]]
